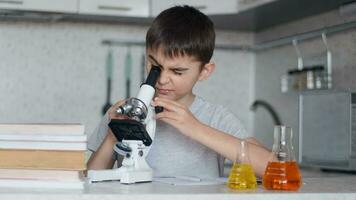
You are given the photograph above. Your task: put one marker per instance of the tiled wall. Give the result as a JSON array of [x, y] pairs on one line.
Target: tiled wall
[[55, 72], [274, 62]]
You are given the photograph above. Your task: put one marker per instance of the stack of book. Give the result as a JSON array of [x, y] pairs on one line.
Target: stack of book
[[42, 155]]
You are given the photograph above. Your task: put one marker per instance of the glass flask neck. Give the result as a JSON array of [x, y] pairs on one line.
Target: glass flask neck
[[244, 153], [283, 146]]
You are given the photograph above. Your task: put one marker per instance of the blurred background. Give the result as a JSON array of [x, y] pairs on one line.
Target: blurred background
[[55, 55]]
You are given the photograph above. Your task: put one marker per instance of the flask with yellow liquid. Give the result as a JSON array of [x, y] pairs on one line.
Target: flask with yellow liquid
[[242, 176], [282, 171]]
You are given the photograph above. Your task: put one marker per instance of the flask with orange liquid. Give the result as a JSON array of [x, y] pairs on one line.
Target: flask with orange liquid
[[282, 171], [242, 176]]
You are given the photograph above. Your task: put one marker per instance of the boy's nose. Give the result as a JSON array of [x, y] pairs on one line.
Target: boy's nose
[[163, 78]]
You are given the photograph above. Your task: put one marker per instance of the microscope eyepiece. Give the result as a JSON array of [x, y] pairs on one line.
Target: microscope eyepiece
[[153, 76]]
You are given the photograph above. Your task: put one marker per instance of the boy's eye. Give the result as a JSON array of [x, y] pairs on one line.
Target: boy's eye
[[177, 72]]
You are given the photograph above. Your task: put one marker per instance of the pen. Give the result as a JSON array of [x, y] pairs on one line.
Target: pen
[[189, 178]]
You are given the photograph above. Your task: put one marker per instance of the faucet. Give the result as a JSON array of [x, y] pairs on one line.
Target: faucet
[[269, 108]]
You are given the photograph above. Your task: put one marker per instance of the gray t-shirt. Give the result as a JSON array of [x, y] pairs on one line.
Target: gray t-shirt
[[173, 153]]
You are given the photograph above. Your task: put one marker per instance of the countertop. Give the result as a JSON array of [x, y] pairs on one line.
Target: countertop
[[316, 185]]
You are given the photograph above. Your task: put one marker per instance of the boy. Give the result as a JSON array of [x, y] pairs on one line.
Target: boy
[[191, 134]]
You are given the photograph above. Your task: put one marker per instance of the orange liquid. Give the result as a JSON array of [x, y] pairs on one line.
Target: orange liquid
[[282, 176]]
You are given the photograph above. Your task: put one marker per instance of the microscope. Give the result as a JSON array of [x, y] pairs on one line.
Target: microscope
[[134, 136]]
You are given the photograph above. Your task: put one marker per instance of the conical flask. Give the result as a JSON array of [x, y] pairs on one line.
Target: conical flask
[[241, 176], [282, 171]]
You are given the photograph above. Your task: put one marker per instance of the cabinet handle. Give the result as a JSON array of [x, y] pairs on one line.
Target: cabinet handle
[[119, 8], [10, 2]]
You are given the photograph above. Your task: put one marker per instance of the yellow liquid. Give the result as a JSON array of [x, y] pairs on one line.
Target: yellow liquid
[[242, 177]]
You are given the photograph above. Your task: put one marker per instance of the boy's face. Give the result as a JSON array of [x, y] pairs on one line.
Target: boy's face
[[178, 75]]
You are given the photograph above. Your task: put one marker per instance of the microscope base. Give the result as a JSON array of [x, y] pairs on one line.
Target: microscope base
[[137, 176], [126, 176]]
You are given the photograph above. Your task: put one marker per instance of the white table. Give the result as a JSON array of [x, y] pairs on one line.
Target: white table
[[316, 185]]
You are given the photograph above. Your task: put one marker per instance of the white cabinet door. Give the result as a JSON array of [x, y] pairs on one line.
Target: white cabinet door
[[66, 6], [249, 4], [209, 7], [131, 8]]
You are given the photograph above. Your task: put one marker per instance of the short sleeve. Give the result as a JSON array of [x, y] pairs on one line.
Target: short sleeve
[[99, 134], [227, 122]]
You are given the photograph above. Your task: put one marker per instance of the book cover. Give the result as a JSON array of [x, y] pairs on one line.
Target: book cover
[[42, 128], [43, 184], [38, 174], [42, 159], [43, 145], [43, 137]]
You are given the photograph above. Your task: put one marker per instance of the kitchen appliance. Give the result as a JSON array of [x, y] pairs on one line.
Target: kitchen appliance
[[327, 129]]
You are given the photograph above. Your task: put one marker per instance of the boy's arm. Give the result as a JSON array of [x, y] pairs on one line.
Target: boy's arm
[[226, 145], [229, 146], [103, 157]]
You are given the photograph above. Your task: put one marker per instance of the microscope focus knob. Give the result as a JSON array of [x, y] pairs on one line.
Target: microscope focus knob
[[122, 149]]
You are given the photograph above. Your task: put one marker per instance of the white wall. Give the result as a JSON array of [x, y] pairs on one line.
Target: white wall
[[55, 72]]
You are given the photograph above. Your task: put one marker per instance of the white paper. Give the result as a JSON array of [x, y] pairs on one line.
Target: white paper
[[187, 180]]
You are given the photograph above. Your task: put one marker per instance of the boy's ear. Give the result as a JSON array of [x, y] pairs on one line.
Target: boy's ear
[[206, 71]]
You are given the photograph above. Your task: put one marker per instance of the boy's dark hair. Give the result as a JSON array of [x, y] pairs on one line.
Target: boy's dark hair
[[182, 30]]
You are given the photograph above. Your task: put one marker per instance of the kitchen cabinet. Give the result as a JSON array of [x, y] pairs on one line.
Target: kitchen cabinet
[[250, 4], [209, 7], [129, 8], [244, 15], [63, 6]]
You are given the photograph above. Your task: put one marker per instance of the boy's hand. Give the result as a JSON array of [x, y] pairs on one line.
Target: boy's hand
[[112, 114], [112, 111], [176, 115]]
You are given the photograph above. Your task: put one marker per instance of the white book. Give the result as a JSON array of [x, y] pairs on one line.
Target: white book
[[42, 128], [43, 138], [43, 184], [69, 137], [43, 145], [42, 174]]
